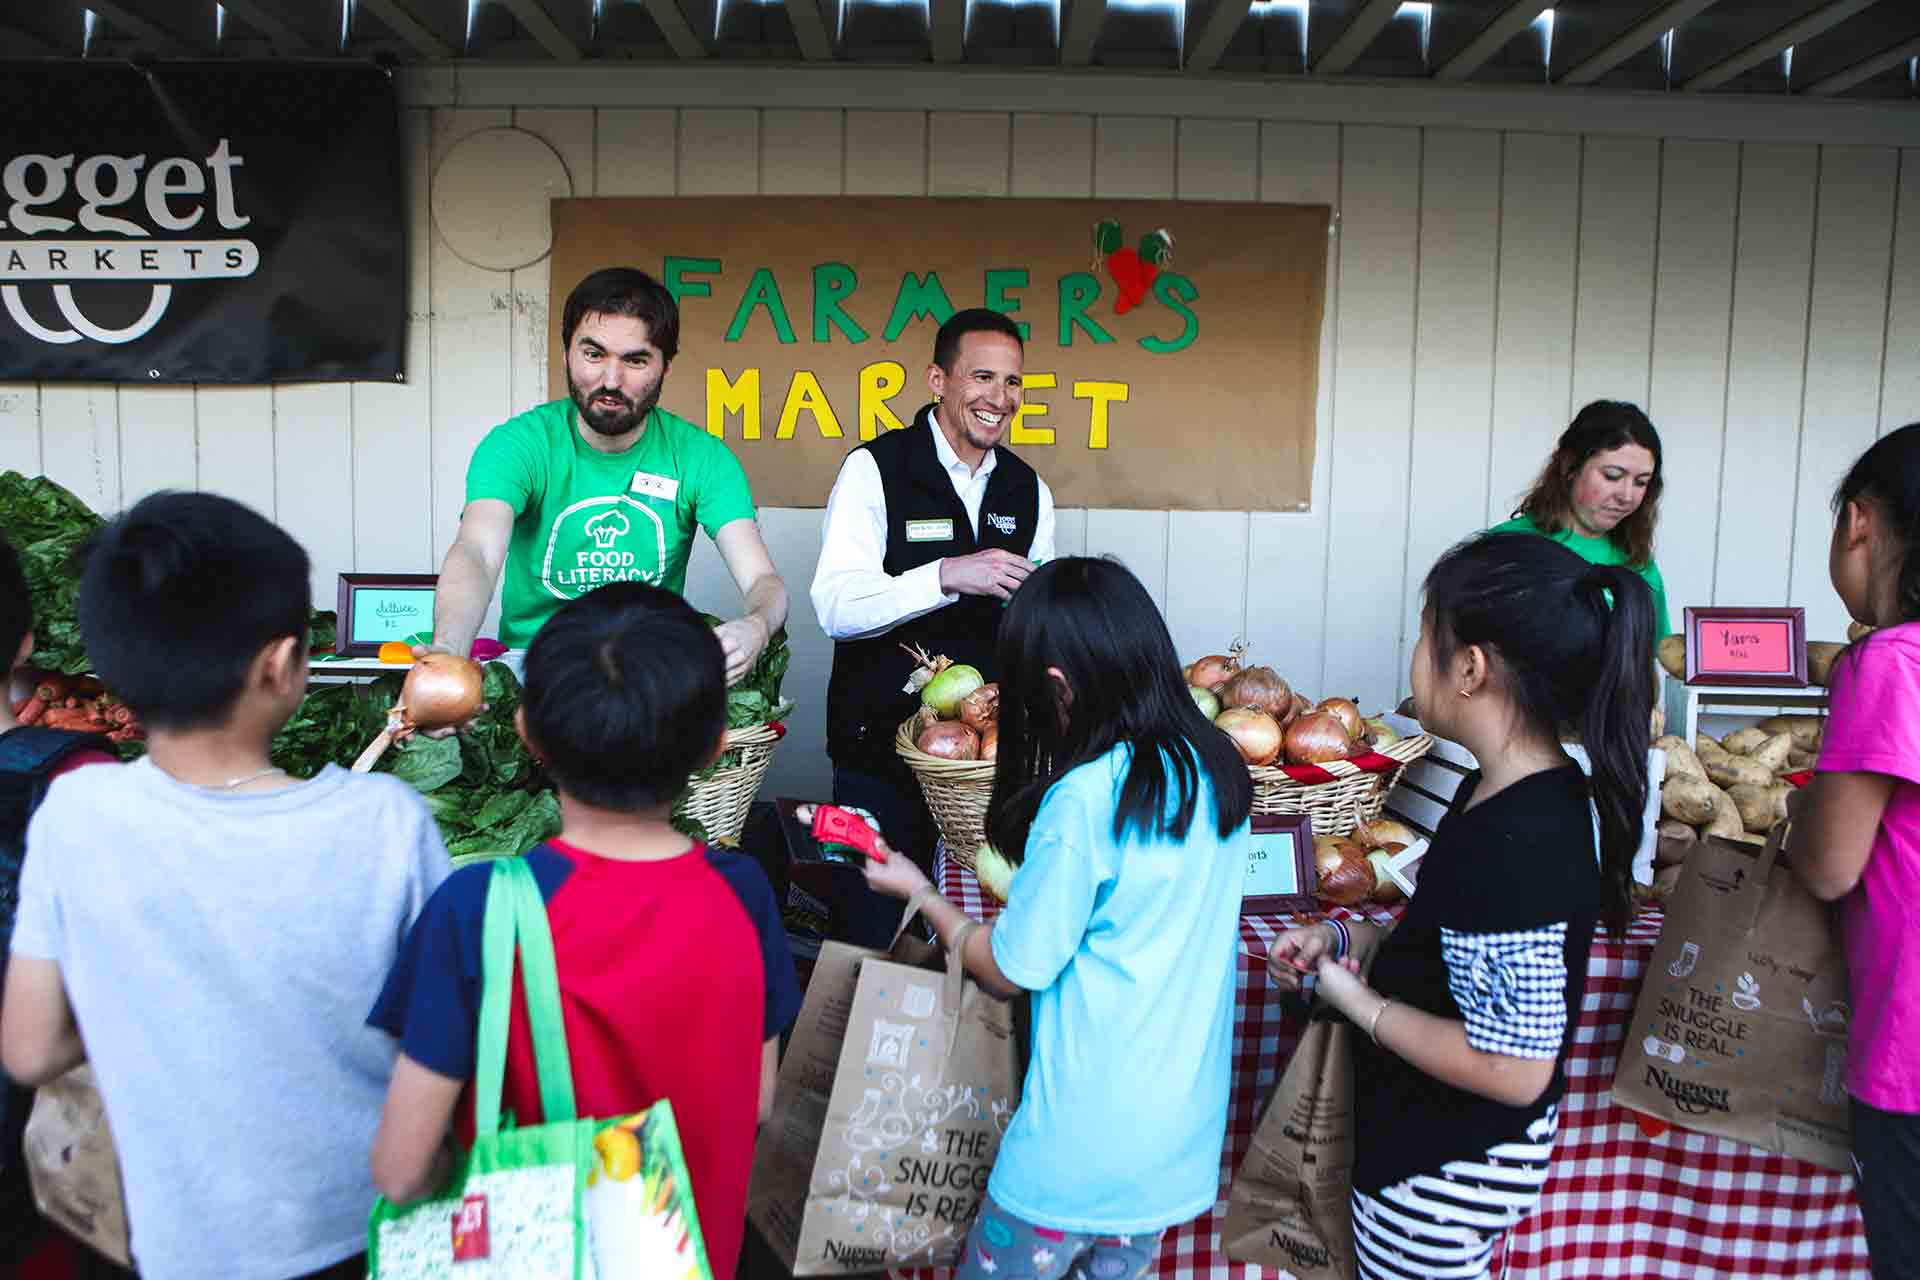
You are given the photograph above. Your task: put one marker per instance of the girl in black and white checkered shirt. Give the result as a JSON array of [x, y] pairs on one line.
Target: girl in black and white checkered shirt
[[1471, 1001]]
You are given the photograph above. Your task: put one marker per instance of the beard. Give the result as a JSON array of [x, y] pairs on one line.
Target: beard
[[612, 420]]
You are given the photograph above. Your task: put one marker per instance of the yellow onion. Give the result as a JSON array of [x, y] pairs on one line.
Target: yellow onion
[[1381, 832], [1349, 714], [981, 708], [443, 691], [1260, 688], [1385, 887], [950, 740], [990, 742], [1213, 670], [1255, 733], [1316, 738], [1345, 879], [1380, 734]]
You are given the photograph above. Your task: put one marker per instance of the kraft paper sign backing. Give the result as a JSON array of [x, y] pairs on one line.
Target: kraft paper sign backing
[[807, 324]]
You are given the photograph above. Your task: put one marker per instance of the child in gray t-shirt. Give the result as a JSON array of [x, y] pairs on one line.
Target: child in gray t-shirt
[[215, 929]]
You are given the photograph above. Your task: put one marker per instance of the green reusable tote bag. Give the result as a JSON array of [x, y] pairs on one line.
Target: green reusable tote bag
[[570, 1199]]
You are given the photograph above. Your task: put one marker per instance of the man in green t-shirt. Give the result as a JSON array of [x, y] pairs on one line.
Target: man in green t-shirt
[[604, 486]]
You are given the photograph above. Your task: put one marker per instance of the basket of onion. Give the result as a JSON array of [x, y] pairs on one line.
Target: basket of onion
[[951, 744], [1323, 759]]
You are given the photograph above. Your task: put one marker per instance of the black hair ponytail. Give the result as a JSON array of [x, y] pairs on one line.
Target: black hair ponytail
[[1575, 642], [1888, 475], [1613, 724]]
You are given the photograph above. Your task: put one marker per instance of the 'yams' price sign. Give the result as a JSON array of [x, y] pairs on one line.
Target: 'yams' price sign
[[1182, 375], [1747, 647]]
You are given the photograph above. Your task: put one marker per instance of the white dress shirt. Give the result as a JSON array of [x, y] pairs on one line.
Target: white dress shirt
[[853, 594]]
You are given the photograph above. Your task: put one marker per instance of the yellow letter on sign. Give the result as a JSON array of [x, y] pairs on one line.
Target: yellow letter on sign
[[1020, 432], [725, 397], [879, 383], [804, 395], [1101, 393]]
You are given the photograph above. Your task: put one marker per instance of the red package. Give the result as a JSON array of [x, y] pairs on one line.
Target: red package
[[834, 825]]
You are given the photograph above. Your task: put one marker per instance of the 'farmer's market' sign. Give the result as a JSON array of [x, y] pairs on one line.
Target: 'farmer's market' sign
[[807, 324]]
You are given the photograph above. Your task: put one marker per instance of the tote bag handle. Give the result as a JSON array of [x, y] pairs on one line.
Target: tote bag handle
[[516, 912]]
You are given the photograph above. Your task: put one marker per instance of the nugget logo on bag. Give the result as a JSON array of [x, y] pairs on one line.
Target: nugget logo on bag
[[1694, 1099], [1302, 1253], [837, 1252], [470, 1230]]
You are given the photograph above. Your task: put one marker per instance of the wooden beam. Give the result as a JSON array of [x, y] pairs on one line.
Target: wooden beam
[[1634, 39], [1841, 81], [1766, 47], [674, 26], [810, 29], [33, 43], [545, 31], [1351, 43], [1083, 27], [1217, 34], [123, 18], [410, 29], [258, 15], [1512, 22], [947, 20]]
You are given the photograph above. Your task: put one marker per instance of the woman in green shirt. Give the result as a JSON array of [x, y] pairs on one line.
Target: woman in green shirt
[[1599, 494]]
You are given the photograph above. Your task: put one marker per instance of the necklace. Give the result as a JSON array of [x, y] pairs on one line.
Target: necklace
[[245, 778]]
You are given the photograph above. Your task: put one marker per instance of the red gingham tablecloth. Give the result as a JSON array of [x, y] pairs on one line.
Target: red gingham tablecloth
[[1617, 1203]]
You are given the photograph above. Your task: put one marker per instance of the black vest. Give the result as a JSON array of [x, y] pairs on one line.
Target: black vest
[[865, 702]]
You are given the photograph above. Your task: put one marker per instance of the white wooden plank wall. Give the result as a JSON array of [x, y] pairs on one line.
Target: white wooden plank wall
[[1762, 301]]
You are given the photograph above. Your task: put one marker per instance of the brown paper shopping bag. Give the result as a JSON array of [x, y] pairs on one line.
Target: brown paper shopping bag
[[1290, 1207], [1741, 1025], [73, 1167], [895, 1090]]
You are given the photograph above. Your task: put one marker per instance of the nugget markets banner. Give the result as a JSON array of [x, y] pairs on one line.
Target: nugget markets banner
[[1172, 347], [192, 222]]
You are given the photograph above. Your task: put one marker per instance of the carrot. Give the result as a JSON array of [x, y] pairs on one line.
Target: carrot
[[35, 708], [52, 688], [68, 718], [21, 705]]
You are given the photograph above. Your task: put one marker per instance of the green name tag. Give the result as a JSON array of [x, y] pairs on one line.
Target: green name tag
[[929, 531]]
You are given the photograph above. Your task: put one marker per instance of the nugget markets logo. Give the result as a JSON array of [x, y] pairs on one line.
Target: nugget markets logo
[[602, 540], [168, 196], [1303, 1253], [1692, 1098]]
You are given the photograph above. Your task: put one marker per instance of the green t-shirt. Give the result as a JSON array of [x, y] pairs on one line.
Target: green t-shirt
[[583, 518], [1601, 551]]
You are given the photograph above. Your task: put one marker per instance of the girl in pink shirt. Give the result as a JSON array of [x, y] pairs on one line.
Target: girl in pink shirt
[[1857, 836]]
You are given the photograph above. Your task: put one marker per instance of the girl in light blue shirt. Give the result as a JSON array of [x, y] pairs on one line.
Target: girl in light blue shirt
[[1127, 813]]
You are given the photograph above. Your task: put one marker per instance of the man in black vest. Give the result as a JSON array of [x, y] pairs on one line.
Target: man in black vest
[[928, 533]]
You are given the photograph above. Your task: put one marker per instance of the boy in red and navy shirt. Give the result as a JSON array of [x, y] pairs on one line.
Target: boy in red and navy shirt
[[675, 980]]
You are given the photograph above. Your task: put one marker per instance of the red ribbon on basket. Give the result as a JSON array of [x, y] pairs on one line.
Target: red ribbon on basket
[[1365, 762]]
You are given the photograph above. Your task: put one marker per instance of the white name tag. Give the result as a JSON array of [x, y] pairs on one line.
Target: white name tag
[[661, 487], [929, 531]]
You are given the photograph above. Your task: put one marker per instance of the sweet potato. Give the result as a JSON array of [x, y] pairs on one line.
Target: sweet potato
[[1726, 817], [1798, 760], [1657, 723], [1680, 757], [1688, 799], [1805, 730], [1820, 658], [1675, 842], [1760, 807], [1731, 771], [1664, 882], [1673, 655], [1773, 752], [1741, 742]]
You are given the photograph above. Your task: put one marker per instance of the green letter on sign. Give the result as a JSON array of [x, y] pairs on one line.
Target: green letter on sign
[[1001, 279], [1175, 291], [674, 277], [833, 281], [918, 297], [1079, 291], [762, 291]]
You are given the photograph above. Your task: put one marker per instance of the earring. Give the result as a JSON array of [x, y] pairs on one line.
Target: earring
[[937, 397]]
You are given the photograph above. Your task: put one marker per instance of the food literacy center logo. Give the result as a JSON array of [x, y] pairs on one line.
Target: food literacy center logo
[[172, 193], [601, 540]]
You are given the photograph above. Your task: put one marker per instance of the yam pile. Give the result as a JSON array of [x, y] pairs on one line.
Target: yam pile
[[1733, 787]]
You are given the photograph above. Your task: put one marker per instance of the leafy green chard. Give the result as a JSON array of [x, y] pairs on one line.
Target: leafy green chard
[[49, 528]]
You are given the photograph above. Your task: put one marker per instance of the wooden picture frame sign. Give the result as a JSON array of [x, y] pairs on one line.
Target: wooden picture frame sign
[[1280, 872], [1761, 647], [377, 607]]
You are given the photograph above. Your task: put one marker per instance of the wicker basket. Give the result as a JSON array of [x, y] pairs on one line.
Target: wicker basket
[[1339, 806], [720, 803], [957, 792]]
